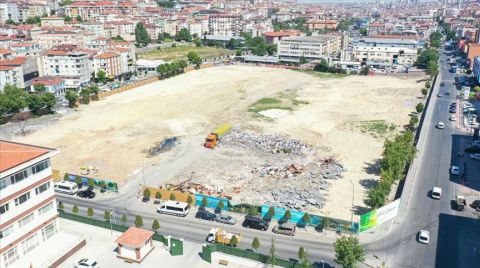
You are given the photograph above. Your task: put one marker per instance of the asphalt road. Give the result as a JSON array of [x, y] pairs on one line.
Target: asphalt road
[[451, 232]]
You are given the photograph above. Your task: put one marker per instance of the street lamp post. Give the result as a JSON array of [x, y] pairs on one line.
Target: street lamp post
[[353, 202]]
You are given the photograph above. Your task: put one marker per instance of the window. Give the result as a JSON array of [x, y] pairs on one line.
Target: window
[[5, 232], [19, 176], [42, 188], [40, 166], [10, 257], [22, 199], [4, 208], [49, 231], [27, 219], [3, 184], [45, 209], [30, 244]]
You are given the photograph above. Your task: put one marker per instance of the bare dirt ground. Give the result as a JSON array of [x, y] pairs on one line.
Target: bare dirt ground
[[113, 134]]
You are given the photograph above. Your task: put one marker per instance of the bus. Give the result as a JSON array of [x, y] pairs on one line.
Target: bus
[[66, 187], [174, 208]]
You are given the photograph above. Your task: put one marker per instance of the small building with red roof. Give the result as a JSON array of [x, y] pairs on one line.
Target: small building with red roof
[[274, 37], [52, 84], [135, 244]]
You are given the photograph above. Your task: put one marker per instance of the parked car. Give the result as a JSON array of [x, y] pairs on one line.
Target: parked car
[[86, 194], [447, 93], [454, 170], [440, 125], [436, 193], [424, 237], [205, 215], [452, 117], [442, 84], [86, 263], [476, 205], [286, 228], [475, 156], [255, 222], [439, 95], [453, 110], [224, 218]]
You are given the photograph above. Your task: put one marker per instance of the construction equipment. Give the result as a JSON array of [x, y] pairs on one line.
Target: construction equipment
[[216, 235], [213, 138], [460, 203]]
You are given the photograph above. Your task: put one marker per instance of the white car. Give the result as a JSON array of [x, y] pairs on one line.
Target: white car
[[475, 156], [452, 118], [454, 170], [439, 95], [436, 192], [424, 237], [86, 263], [440, 125]]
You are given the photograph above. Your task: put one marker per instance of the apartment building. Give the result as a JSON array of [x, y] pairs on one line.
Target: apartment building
[[88, 10], [9, 11], [27, 203], [68, 63], [26, 49], [476, 69], [275, 37], [291, 49], [52, 38], [11, 75], [110, 62], [315, 25], [24, 69], [52, 21], [224, 25], [96, 28]]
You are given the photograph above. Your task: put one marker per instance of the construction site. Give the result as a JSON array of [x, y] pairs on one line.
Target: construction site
[[251, 134]]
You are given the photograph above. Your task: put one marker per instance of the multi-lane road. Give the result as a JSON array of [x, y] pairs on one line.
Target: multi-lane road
[[453, 236]]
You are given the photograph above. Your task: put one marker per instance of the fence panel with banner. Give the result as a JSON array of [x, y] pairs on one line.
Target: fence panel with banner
[[378, 216]]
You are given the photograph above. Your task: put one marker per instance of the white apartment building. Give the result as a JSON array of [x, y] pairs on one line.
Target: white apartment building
[[96, 28], [71, 65], [53, 21], [310, 47], [110, 62], [11, 75], [9, 11], [224, 25], [27, 203], [51, 39]]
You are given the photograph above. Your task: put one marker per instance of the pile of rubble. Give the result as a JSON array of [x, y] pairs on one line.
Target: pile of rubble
[[164, 146], [272, 143]]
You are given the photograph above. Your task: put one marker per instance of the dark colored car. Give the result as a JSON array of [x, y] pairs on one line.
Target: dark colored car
[[255, 222], [476, 205], [86, 194], [442, 84], [205, 215], [453, 110]]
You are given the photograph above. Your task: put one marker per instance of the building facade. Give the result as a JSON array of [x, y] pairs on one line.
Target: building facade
[[27, 201], [110, 62], [309, 47], [224, 25]]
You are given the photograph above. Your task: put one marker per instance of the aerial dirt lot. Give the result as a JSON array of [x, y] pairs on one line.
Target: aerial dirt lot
[[314, 119]]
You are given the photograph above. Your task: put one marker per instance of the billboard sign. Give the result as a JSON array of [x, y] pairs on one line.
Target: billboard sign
[[379, 216]]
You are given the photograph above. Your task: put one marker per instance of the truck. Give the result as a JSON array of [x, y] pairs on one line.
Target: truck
[[460, 203], [219, 236], [213, 138]]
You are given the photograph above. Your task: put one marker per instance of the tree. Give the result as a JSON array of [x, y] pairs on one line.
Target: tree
[[303, 60], [183, 35], [60, 206], [94, 89], [72, 98], [255, 243], [220, 205], [413, 120], [306, 218], [15, 98], [234, 241], [102, 76], [158, 195], [271, 212], [365, 70], [107, 215], [363, 31], [189, 199], [166, 4], [85, 95], [272, 258], [75, 209], [146, 193], [35, 103], [204, 202], [141, 35], [325, 223], [39, 88], [419, 108], [194, 58], [79, 18], [301, 253], [303, 256], [348, 251], [173, 197], [78, 181], [66, 3], [90, 212], [424, 92], [238, 53], [155, 225], [90, 182], [138, 221], [33, 20], [48, 100], [124, 219], [252, 210], [67, 18], [288, 215], [425, 56], [432, 68]]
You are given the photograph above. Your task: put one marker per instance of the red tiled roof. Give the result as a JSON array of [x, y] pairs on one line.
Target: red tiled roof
[[6, 68], [17, 61], [4, 51], [47, 80], [282, 33], [134, 237], [13, 154], [106, 55]]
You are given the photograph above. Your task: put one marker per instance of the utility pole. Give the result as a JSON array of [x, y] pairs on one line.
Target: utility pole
[[143, 173], [353, 202]]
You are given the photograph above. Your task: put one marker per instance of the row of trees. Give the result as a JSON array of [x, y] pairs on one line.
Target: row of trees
[[435, 39], [325, 68], [397, 155], [14, 100], [428, 59], [85, 95], [171, 69], [142, 38]]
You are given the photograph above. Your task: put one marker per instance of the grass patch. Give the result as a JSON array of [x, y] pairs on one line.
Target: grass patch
[[285, 100], [323, 75], [377, 128], [181, 52]]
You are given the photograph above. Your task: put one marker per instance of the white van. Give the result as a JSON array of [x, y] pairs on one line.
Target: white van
[[174, 208], [436, 192], [66, 187]]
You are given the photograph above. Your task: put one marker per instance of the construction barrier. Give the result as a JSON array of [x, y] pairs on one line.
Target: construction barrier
[[128, 87], [165, 194], [98, 183], [212, 201]]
